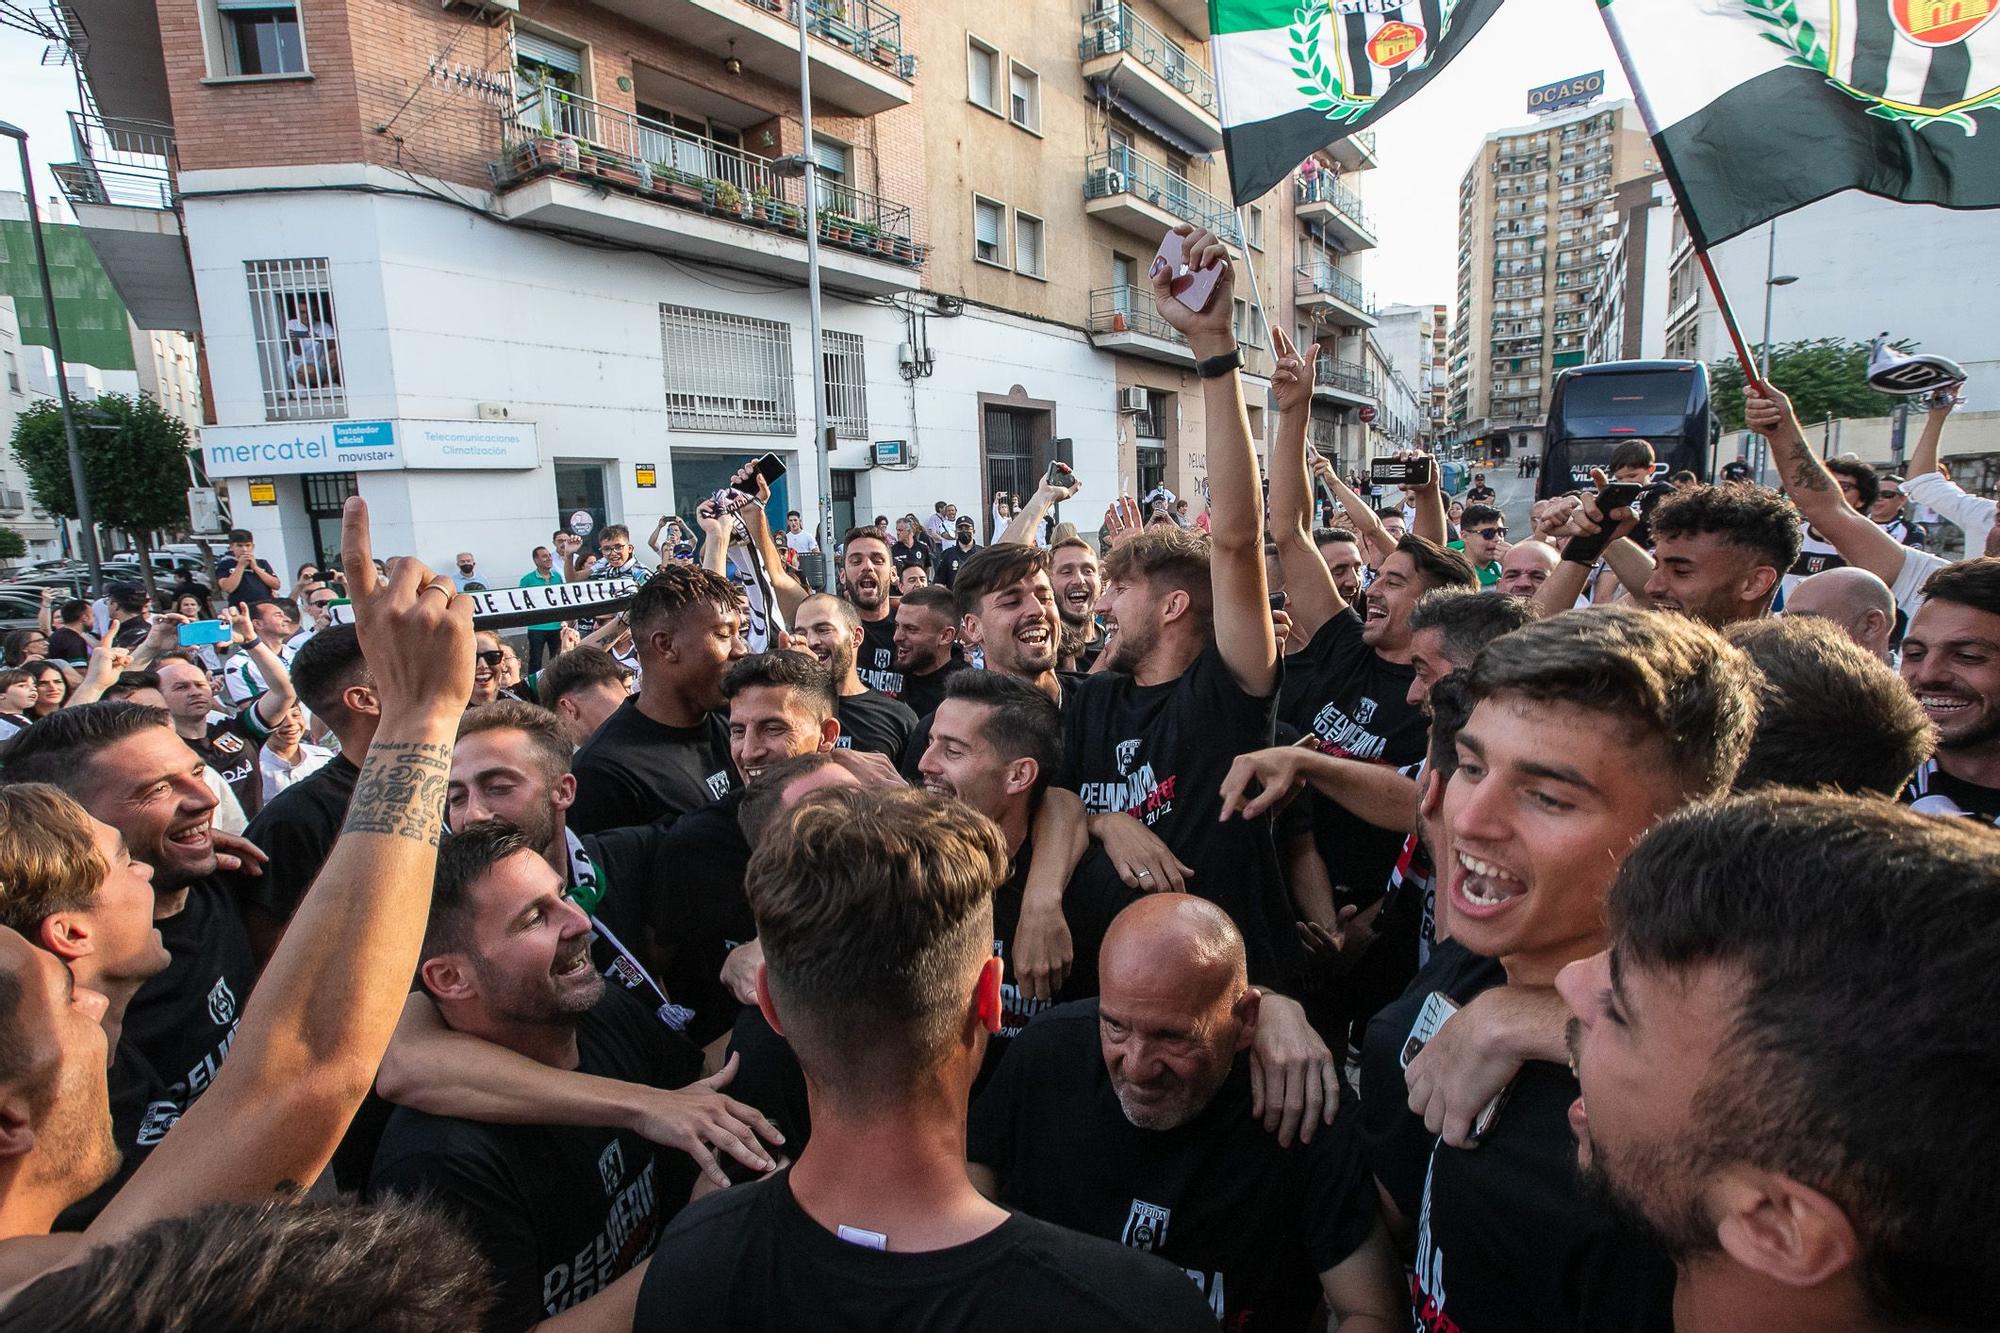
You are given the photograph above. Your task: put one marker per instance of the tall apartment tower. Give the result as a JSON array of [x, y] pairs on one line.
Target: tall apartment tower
[[1533, 211]]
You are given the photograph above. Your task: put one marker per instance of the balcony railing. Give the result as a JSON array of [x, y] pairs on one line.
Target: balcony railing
[[1122, 171], [553, 132], [1128, 309], [1118, 29], [1326, 280], [868, 28], [1324, 189], [130, 163], [1343, 375]]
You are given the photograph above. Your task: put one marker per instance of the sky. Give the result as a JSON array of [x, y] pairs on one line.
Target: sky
[[1424, 145]]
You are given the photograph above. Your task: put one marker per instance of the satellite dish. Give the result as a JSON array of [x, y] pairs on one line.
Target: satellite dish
[[1909, 374]]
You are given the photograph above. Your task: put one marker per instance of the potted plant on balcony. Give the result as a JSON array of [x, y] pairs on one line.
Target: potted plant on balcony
[[728, 198], [618, 169], [835, 226], [681, 186], [885, 53], [885, 243]]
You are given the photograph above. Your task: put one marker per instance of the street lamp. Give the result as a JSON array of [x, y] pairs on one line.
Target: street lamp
[[83, 517], [802, 165], [1772, 280]]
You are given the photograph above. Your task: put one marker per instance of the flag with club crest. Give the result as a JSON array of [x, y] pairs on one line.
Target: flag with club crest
[[1758, 107], [1294, 76]]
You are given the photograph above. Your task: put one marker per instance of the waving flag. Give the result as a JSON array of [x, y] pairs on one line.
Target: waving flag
[[1758, 107], [1297, 75]]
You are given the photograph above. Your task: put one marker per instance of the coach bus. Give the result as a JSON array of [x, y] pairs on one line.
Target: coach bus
[[1592, 409]]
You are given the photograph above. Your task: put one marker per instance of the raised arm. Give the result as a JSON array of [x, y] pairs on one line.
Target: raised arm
[[1376, 543], [1929, 486], [1027, 519], [1430, 520], [785, 585], [1312, 598], [1235, 497], [1768, 412], [315, 1028]]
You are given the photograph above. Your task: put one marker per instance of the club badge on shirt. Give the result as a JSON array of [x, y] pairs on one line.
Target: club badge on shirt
[[1146, 1226], [611, 1167], [221, 1003]]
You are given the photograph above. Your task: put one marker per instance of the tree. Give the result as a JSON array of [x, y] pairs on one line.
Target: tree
[[12, 544], [135, 462], [1823, 376]]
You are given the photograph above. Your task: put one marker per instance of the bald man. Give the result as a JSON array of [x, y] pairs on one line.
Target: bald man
[[1128, 1117], [1526, 567], [1852, 598]]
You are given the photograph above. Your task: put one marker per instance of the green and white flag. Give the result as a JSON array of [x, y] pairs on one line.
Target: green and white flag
[[1297, 75], [1758, 107]]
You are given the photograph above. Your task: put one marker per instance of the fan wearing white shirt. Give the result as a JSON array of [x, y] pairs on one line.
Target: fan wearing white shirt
[[287, 756]]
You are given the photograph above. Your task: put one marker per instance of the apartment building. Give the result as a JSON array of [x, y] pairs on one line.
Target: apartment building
[[1625, 310], [558, 255], [1414, 341], [1533, 209]]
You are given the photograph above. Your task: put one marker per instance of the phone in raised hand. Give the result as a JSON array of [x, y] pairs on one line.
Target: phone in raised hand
[[1193, 288]]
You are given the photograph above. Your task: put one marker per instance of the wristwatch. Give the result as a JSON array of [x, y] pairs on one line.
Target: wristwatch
[[1215, 367]]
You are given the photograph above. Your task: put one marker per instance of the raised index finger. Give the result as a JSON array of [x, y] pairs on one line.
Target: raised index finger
[[357, 558]]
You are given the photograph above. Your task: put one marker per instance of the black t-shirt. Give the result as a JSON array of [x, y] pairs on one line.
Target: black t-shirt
[[922, 694], [143, 1109], [1355, 704], [634, 770], [915, 553], [1935, 792], [874, 722], [1160, 753], [66, 645], [1479, 495], [1506, 1240], [183, 1020], [920, 739], [250, 589], [769, 1077], [749, 1258], [560, 1211], [297, 830], [696, 912], [948, 561], [875, 661], [233, 748], [1394, 1139], [1252, 1223]]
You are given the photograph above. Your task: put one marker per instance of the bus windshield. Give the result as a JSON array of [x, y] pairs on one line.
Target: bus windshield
[[1609, 406]]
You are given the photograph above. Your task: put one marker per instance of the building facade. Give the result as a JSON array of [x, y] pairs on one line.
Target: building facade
[[1625, 311], [1533, 210], [1413, 340], [556, 260]]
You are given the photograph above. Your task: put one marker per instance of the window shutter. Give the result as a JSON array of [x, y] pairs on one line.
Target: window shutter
[[528, 46]]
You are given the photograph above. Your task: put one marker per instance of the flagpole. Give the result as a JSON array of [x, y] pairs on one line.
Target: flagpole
[[1617, 34], [1242, 222]]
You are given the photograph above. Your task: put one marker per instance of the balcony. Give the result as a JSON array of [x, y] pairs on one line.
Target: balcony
[[1190, 14], [1354, 153], [1143, 65], [123, 186], [1332, 296], [1342, 382], [858, 60], [1124, 320], [1144, 198], [1336, 210], [573, 162]]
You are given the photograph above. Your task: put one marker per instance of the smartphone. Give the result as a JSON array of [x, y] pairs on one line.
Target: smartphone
[[1437, 1008], [771, 467], [195, 633], [1193, 288], [1277, 601], [1618, 495], [1401, 471], [1059, 474]]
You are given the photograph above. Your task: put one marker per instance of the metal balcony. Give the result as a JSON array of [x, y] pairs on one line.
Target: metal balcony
[[1332, 296], [859, 62], [1356, 152], [1124, 320], [1143, 197], [1341, 381], [1148, 68], [1334, 210], [579, 163], [123, 188]]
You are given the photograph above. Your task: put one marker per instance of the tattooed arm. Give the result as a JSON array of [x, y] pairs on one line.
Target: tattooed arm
[[1813, 490], [314, 1030]]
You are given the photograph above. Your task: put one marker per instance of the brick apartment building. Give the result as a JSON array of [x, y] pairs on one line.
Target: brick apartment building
[[497, 266]]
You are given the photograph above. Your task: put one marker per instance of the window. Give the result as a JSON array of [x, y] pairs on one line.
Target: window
[[727, 373], [1256, 227], [552, 73], [846, 386], [989, 220], [1024, 97], [1248, 326], [258, 37], [982, 75], [1152, 460], [298, 342], [13, 373], [1151, 424], [1028, 245]]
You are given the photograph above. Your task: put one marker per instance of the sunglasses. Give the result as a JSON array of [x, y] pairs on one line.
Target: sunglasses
[[1489, 533], [321, 603], [493, 657], [1892, 495]]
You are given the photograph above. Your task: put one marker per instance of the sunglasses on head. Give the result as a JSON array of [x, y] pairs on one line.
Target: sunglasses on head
[[492, 657]]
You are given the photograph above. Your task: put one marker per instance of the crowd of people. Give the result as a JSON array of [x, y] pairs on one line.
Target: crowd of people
[[1320, 913]]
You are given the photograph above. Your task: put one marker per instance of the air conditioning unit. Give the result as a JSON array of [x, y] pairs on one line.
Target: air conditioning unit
[[1132, 399], [1114, 182]]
